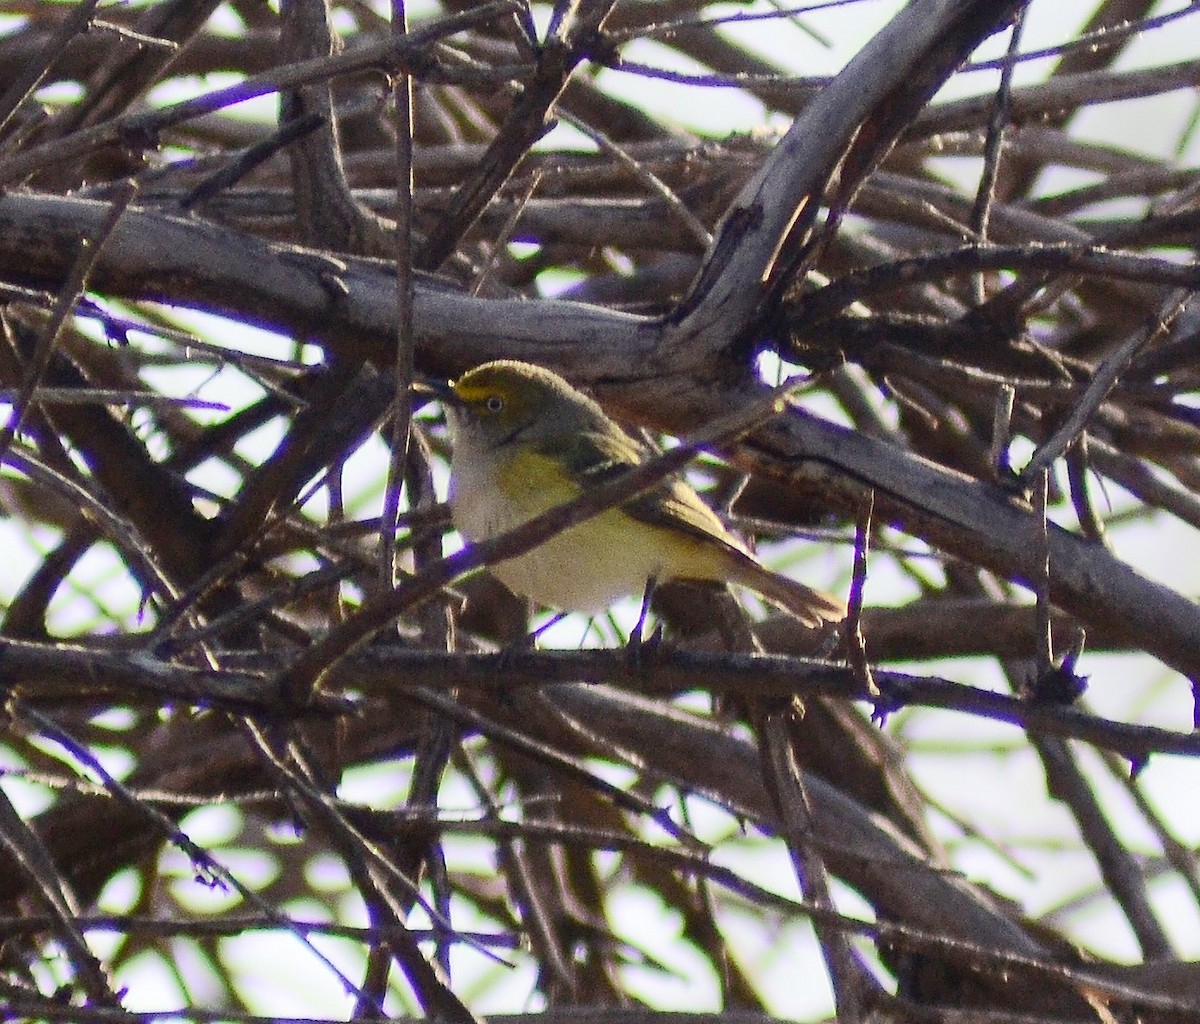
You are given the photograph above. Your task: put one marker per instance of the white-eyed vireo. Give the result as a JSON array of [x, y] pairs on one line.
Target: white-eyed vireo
[[525, 441]]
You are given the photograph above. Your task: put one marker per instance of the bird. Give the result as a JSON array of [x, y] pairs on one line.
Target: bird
[[525, 441]]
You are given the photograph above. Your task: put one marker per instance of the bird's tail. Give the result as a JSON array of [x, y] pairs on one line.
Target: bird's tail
[[812, 607]]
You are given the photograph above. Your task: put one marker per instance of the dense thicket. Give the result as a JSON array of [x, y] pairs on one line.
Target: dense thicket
[[271, 747]]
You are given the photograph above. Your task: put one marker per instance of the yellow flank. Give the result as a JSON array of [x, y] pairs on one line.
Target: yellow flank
[[533, 483], [587, 567]]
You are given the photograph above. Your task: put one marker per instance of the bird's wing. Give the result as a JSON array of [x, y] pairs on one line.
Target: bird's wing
[[593, 458]]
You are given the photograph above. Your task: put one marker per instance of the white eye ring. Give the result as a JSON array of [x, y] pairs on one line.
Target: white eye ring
[[493, 403]]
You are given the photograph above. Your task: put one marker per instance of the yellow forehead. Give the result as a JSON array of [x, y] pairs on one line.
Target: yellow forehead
[[504, 378], [475, 389]]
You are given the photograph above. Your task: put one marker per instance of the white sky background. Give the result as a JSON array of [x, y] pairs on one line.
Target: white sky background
[[1052, 874]]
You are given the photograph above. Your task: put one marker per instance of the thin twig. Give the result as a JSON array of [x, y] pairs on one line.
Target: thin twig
[[785, 782], [402, 407], [33, 71], [201, 859], [693, 225], [1102, 382], [31, 856], [856, 644], [148, 123], [995, 131], [64, 305]]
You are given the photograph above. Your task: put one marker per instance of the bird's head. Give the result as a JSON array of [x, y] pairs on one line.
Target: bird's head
[[506, 402]]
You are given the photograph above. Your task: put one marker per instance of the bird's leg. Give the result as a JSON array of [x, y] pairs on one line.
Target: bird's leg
[[528, 641], [532, 638], [511, 651], [638, 643]]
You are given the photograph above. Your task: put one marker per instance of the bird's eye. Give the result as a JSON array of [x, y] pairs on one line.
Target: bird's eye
[[493, 403]]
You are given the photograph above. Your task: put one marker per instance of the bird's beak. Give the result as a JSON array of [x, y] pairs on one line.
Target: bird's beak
[[436, 389]]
